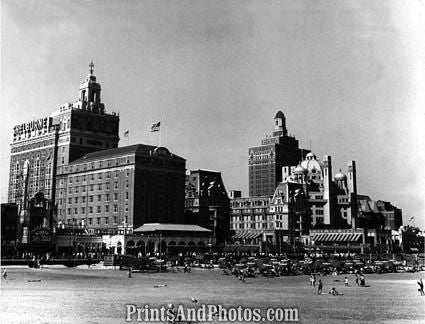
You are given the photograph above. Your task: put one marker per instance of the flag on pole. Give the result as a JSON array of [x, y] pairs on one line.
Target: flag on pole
[[126, 133], [156, 127]]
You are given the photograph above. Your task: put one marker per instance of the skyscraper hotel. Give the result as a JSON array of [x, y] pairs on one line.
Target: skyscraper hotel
[[71, 161], [265, 162], [67, 134]]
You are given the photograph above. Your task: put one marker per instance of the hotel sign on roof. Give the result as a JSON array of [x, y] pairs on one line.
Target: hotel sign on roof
[[38, 124]]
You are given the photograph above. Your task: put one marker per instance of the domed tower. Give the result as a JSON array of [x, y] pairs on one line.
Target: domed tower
[[280, 125], [341, 180], [89, 93]]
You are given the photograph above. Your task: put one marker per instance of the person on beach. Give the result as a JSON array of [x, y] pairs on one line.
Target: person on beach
[[314, 281], [129, 272], [311, 280], [319, 287], [421, 287], [357, 281], [4, 275], [334, 292], [346, 281]]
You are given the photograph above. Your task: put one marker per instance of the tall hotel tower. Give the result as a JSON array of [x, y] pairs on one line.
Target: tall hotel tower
[[41, 145], [265, 162]]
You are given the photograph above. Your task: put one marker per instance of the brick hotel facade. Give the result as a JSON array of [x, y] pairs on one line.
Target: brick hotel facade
[[123, 187]]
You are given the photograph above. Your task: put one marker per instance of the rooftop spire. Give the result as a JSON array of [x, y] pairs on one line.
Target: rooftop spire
[[91, 66]]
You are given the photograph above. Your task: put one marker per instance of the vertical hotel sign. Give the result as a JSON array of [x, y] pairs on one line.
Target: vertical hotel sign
[[35, 125]]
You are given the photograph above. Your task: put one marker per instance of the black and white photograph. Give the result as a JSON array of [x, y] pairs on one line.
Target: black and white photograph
[[212, 161]]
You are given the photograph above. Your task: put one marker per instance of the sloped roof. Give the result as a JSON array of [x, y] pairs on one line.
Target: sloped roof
[[367, 205], [125, 150], [154, 227]]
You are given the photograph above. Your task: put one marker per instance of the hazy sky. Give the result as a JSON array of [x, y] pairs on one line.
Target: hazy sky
[[348, 75]]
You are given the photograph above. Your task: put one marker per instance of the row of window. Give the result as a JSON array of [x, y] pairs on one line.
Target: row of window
[[96, 221], [91, 198], [91, 188], [91, 209], [98, 164]]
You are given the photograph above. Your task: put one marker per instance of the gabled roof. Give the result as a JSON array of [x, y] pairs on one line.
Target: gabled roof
[[154, 227], [125, 150]]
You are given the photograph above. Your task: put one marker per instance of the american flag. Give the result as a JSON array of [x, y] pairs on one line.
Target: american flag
[[156, 127]]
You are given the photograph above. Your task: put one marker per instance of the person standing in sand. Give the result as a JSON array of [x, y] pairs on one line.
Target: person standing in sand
[[421, 287], [319, 287]]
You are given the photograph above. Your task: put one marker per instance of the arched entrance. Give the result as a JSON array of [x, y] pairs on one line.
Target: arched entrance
[[140, 248], [130, 248], [150, 247]]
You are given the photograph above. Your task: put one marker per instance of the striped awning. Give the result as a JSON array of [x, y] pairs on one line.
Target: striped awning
[[337, 237], [246, 235]]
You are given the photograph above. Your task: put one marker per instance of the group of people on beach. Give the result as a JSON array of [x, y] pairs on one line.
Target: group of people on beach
[[360, 281]]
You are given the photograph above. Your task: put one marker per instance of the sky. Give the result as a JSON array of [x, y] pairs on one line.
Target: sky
[[348, 75]]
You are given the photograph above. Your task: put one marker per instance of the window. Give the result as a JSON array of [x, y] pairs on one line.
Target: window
[[90, 210], [83, 188], [83, 210], [84, 199], [106, 220], [116, 185], [99, 176], [68, 211], [76, 190], [90, 221], [90, 198], [115, 208], [116, 174], [98, 221], [91, 176], [126, 183], [76, 211], [106, 208], [107, 186], [99, 197], [115, 196], [99, 186], [77, 179], [98, 209], [69, 200], [126, 195], [107, 198], [76, 200], [91, 187], [108, 175], [115, 220], [127, 173]]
